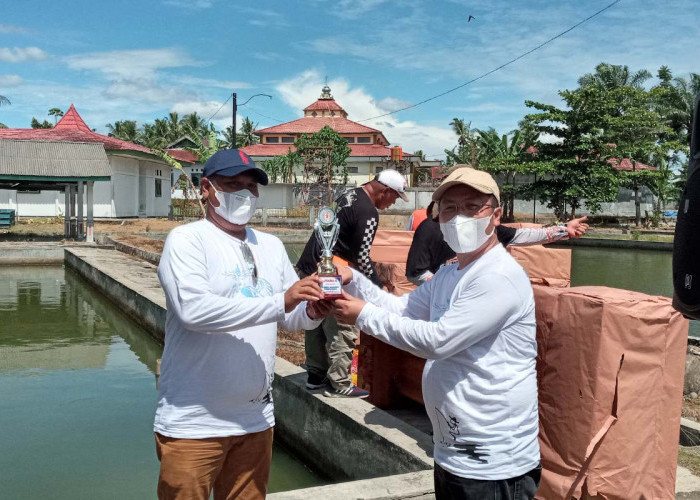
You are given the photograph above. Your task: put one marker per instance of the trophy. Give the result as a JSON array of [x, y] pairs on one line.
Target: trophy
[[326, 228]]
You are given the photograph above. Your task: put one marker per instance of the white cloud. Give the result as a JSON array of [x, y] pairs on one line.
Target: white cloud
[[10, 80], [21, 54], [265, 18], [190, 4], [136, 74], [7, 29], [267, 56], [210, 82], [130, 63], [303, 89], [353, 9]]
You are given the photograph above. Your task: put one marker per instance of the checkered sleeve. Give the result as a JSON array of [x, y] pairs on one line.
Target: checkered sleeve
[[364, 263]]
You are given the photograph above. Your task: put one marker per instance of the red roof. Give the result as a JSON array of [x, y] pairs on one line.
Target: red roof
[[71, 128], [626, 165], [376, 150], [323, 104], [309, 125], [183, 155]]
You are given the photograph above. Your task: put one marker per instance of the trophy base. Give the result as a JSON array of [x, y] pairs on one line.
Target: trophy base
[[331, 286]]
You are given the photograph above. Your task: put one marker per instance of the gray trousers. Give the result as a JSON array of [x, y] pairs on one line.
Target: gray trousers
[[329, 351]]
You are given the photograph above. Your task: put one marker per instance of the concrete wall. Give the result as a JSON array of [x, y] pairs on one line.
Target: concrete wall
[[149, 313], [282, 196], [343, 438]]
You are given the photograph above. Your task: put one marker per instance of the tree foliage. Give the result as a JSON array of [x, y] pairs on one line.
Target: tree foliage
[[37, 124]]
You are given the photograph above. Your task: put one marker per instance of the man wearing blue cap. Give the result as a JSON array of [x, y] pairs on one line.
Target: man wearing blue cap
[[227, 288]]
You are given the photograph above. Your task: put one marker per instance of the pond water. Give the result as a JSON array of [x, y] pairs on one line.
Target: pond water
[[646, 271], [77, 395]]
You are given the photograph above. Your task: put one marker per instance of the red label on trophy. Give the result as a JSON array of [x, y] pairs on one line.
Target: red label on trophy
[[331, 285], [326, 228]]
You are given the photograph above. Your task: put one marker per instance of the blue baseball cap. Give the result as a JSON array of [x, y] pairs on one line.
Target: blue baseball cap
[[230, 162]]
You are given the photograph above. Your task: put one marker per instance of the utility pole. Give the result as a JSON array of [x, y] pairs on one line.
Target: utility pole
[[235, 108], [233, 127]]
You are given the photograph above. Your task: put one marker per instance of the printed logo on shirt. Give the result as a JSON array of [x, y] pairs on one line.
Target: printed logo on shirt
[[449, 426], [244, 284]]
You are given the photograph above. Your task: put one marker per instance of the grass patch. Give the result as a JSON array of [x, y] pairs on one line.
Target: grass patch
[[689, 457]]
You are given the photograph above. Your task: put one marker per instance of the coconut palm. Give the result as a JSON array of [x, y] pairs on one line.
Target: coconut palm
[[612, 76], [56, 113], [245, 136], [125, 130], [682, 104], [463, 131]]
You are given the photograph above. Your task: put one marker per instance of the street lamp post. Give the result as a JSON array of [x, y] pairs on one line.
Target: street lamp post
[[235, 109]]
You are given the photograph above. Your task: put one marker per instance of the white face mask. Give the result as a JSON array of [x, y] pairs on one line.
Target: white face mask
[[238, 207], [465, 234]]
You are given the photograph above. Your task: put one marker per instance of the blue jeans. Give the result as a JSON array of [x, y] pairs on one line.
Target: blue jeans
[[451, 487]]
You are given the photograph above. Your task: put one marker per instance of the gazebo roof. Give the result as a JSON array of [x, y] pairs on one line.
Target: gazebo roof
[[49, 164]]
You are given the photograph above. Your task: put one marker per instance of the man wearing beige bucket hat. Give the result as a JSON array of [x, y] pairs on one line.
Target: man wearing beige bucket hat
[[474, 322]]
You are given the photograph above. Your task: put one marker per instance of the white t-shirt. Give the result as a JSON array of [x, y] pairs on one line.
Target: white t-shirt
[[476, 328], [221, 331]]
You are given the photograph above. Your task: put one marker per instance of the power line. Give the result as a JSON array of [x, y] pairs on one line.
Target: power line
[[264, 116], [220, 107], [495, 69]]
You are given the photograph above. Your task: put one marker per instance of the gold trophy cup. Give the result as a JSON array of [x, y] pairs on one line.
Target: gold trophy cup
[[326, 228]]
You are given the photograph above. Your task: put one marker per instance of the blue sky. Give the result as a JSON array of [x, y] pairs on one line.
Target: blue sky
[[141, 60]]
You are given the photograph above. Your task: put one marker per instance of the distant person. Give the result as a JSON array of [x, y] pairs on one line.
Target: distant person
[[329, 346], [429, 251], [475, 324], [417, 217], [227, 289]]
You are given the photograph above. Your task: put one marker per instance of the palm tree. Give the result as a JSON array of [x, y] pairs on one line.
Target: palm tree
[[682, 104], [4, 100], [467, 149], [245, 136], [462, 130], [501, 156], [125, 130], [56, 113], [612, 76]]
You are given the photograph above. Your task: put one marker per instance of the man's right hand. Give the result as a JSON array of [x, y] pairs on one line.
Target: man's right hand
[[304, 289]]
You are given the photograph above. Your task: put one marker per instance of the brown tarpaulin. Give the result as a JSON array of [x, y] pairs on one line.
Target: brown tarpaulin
[[610, 378]]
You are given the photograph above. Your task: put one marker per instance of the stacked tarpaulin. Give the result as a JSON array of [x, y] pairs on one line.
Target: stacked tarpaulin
[[610, 371]]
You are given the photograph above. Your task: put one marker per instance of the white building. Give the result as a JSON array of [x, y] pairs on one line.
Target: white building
[[370, 151], [139, 184]]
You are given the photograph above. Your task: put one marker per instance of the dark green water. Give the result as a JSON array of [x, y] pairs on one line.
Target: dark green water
[[77, 395], [646, 271]]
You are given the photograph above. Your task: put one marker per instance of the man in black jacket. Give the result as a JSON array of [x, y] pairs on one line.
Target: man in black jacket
[[329, 347]]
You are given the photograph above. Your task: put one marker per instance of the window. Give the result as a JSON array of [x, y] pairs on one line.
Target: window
[[287, 140], [364, 140], [332, 113], [272, 140], [159, 188], [351, 140], [378, 169], [353, 170], [314, 114]]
